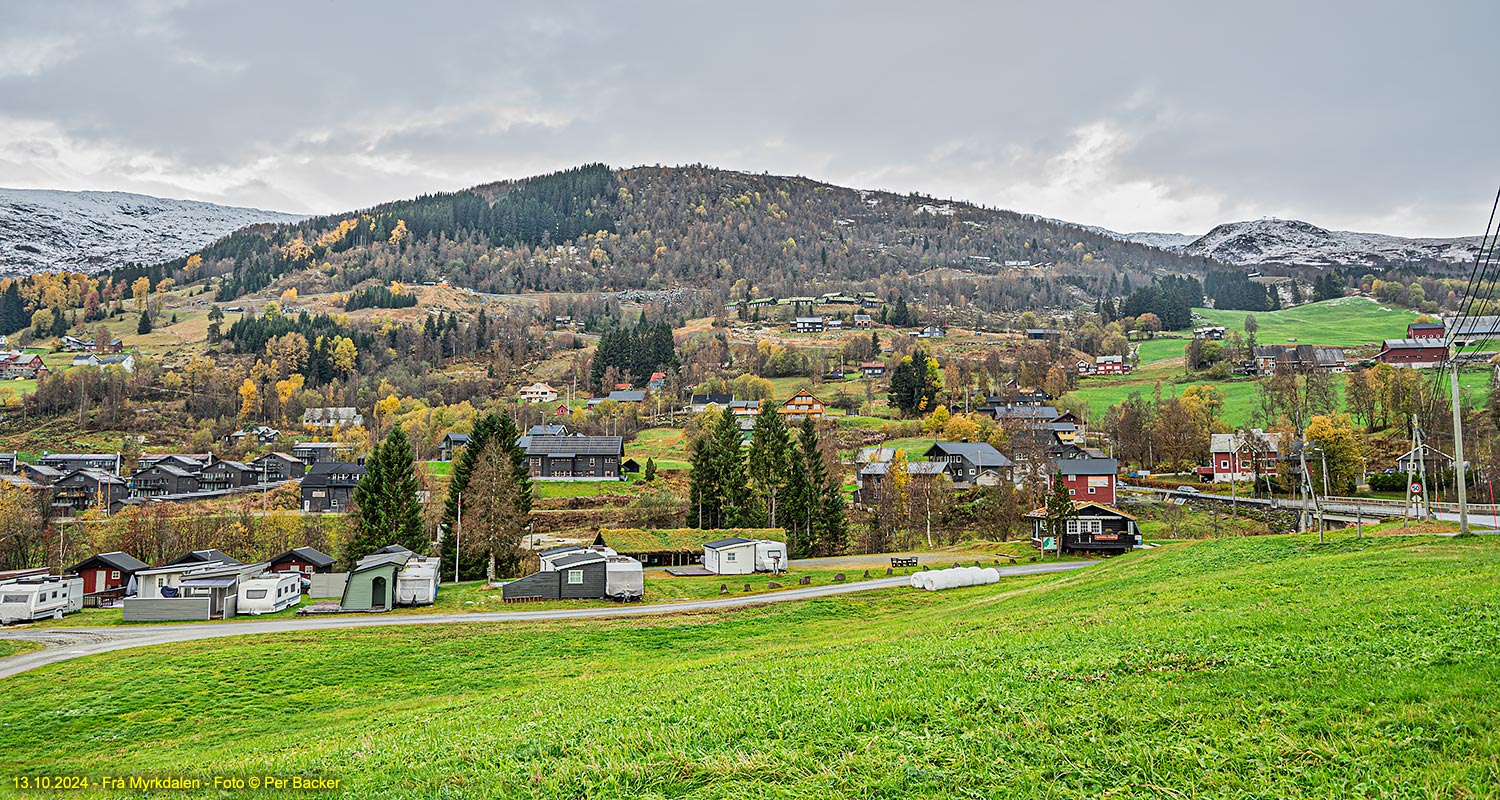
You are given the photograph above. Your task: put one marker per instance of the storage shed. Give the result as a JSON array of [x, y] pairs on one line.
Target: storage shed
[[581, 575], [383, 580], [106, 576]]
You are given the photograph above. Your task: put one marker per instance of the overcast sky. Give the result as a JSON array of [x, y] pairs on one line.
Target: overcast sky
[[1134, 116]]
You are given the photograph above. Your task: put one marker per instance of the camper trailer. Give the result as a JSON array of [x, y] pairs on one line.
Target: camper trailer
[[624, 578], [417, 582], [46, 597], [269, 593]]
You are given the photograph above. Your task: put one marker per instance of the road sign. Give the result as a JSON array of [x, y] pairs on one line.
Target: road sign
[[1416, 488]]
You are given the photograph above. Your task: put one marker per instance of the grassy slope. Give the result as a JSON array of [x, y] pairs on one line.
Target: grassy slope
[[1345, 322], [1266, 667]]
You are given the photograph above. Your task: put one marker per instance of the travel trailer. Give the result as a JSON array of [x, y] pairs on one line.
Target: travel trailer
[[47, 597], [269, 593]]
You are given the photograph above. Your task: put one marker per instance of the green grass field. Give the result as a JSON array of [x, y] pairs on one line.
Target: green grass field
[[1160, 348], [1248, 667], [1343, 322]]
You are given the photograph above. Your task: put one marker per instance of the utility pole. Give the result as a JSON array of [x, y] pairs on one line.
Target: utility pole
[[1411, 469], [1458, 453]]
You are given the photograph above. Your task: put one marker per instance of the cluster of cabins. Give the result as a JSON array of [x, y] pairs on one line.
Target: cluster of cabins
[[78, 482], [19, 366], [210, 584]]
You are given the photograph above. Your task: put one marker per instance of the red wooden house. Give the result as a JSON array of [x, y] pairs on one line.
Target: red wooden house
[[106, 576]]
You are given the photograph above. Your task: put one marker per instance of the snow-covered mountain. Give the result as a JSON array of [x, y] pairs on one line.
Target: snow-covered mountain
[[1293, 242], [43, 229]]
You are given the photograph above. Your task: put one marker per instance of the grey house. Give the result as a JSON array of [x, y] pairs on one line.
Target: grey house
[[318, 452], [575, 457], [225, 475], [966, 461], [581, 575], [162, 479], [451, 443], [83, 489], [329, 486], [276, 467], [107, 462]]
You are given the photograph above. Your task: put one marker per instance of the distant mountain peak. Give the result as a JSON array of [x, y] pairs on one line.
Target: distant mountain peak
[[48, 230], [1293, 242]]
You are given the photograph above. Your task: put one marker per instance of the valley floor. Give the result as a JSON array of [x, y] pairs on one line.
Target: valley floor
[[1245, 667]]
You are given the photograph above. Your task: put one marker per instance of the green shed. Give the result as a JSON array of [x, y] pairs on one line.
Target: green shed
[[372, 583]]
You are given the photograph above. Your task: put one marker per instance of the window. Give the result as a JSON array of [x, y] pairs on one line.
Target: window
[[255, 594], [1091, 490], [1223, 465], [729, 556], [1072, 492], [114, 575], [1078, 526], [575, 577]]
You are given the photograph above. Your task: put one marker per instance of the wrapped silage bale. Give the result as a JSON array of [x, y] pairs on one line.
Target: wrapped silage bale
[[991, 575]]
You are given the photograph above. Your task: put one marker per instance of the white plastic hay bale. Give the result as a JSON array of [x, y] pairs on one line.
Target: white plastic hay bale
[[929, 581], [976, 576], [944, 580], [991, 575], [961, 577], [916, 580]]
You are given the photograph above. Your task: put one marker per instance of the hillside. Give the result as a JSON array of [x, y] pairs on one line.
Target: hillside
[[1246, 667], [45, 230], [1289, 242], [714, 233]]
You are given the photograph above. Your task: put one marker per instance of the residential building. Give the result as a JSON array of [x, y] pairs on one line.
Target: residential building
[[263, 434], [1089, 479], [124, 361], [1233, 456], [160, 479], [808, 325], [869, 482], [931, 332], [1212, 332], [332, 417], [699, 403], [1094, 527], [1302, 358], [575, 457], [872, 369], [19, 366], [450, 444], [620, 396], [537, 393], [83, 489], [278, 467], [965, 461], [1111, 365], [320, 452], [862, 321], [657, 382], [222, 476], [108, 462], [329, 486], [800, 406], [188, 462], [543, 429], [1415, 353]]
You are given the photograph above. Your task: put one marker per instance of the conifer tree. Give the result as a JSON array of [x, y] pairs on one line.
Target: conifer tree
[[769, 446]]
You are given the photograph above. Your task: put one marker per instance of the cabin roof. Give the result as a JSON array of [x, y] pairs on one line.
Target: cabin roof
[[114, 560]]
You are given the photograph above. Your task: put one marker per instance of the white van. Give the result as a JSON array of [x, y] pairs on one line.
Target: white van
[[31, 599]]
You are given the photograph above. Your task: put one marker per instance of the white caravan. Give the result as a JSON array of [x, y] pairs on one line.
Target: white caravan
[[269, 593], [31, 599]]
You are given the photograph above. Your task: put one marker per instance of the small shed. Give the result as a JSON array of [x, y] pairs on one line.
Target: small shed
[[372, 583], [106, 576], [732, 556], [303, 560], [586, 574]]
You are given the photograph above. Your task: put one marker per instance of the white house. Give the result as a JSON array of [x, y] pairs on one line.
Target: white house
[[740, 556], [269, 593], [537, 393]]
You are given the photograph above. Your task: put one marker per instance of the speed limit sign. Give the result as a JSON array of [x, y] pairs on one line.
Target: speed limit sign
[[1416, 488]]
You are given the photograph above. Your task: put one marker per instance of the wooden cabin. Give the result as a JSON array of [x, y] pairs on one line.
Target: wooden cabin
[[1093, 528]]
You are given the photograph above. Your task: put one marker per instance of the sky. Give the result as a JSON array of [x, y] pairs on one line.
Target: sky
[[1141, 116]]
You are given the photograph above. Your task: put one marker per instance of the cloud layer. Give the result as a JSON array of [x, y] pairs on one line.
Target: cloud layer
[[1139, 116]]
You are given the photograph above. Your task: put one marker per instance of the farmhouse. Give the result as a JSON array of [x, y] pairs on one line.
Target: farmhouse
[[964, 461], [575, 457], [329, 486], [303, 560], [450, 444], [1415, 353], [872, 369], [537, 393], [800, 406], [1233, 456], [862, 321], [106, 576], [1093, 527], [14, 366], [1302, 358]]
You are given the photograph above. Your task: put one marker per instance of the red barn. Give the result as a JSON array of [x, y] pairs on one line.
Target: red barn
[[106, 575], [1413, 353]]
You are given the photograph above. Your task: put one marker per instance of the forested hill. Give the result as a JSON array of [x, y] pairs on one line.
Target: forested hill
[[731, 234]]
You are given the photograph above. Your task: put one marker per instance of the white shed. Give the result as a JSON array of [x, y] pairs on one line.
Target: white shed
[[732, 556], [269, 593]]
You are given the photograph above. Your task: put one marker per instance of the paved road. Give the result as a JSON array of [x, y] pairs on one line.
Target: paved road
[[63, 644]]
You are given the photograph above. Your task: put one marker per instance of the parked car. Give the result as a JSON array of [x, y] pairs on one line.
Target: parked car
[[1188, 490]]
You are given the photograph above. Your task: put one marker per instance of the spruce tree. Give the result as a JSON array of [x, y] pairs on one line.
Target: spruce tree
[[369, 510], [729, 467], [400, 493], [482, 434], [769, 444], [704, 503]]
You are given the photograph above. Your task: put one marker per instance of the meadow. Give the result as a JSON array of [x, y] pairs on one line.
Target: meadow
[[1242, 667], [1341, 322]]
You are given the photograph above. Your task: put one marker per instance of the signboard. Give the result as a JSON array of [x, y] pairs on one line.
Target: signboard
[[1049, 543], [1416, 488], [1099, 480]]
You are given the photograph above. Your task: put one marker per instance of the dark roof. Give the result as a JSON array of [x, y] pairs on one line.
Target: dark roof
[[1425, 326], [578, 559], [705, 399], [732, 541], [204, 557], [1086, 466], [123, 562], [455, 439], [575, 445], [312, 556], [396, 548], [283, 456], [227, 464], [548, 429], [321, 474], [979, 453], [567, 548], [378, 560], [321, 446]]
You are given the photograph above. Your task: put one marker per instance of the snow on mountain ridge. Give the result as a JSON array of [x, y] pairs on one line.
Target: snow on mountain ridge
[[46, 230], [1298, 243]]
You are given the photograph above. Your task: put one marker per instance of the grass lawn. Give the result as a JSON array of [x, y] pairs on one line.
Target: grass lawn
[[669, 446], [1245, 667], [1342, 322], [11, 648], [629, 487], [1160, 348]]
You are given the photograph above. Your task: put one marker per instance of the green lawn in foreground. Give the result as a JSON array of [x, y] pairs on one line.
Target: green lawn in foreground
[[1248, 667], [1342, 322]]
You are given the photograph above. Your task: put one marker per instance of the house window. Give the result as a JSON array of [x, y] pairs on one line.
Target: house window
[[1223, 465], [729, 556], [575, 577], [1091, 490], [1072, 492], [114, 575], [1078, 526]]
